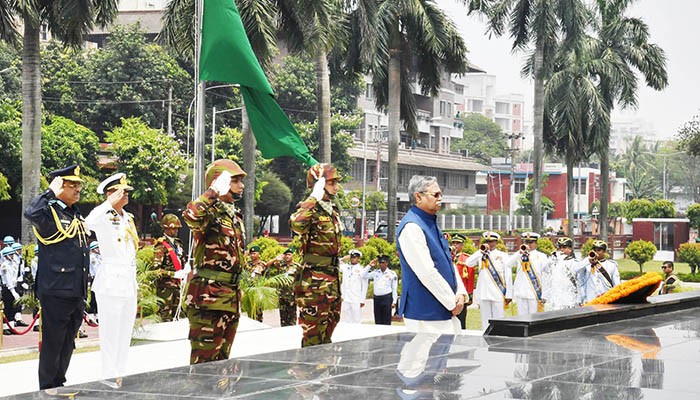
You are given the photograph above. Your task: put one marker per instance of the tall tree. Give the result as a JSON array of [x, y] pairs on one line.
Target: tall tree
[[482, 138], [573, 103], [538, 24], [625, 44], [404, 42], [68, 21]]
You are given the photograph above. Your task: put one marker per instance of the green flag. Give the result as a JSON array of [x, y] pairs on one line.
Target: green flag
[[226, 56]]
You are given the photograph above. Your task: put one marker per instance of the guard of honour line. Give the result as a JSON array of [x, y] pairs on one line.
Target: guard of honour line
[[437, 276]]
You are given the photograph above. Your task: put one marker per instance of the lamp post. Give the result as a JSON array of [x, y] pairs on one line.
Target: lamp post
[[213, 127], [511, 190], [663, 171]]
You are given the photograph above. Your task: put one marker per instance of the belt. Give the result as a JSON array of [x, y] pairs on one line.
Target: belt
[[321, 261], [224, 277]]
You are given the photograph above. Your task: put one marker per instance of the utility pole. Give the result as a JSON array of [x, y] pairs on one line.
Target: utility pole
[[170, 111], [511, 190]]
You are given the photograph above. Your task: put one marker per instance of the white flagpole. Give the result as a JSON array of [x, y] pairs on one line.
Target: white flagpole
[[198, 174]]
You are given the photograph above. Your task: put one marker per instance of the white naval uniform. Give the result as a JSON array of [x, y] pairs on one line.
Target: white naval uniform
[[385, 282], [114, 286], [487, 294], [594, 283], [353, 290], [523, 292]]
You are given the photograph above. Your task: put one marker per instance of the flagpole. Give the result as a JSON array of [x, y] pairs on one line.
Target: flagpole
[[198, 173]]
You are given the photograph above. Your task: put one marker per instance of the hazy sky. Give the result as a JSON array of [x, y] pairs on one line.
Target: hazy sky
[[673, 25]]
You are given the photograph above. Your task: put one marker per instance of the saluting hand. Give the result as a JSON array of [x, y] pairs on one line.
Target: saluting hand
[[56, 186]]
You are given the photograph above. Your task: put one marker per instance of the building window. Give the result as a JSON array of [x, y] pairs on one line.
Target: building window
[[475, 105], [459, 89], [502, 108], [580, 186], [369, 91], [504, 123], [443, 108], [519, 185], [481, 189], [44, 32]]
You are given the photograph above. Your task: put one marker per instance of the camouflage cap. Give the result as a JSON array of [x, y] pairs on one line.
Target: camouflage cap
[[328, 171], [221, 165], [170, 221]]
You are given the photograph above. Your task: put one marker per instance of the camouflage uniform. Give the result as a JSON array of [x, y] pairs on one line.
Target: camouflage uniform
[[287, 303], [167, 286], [212, 299], [317, 287]]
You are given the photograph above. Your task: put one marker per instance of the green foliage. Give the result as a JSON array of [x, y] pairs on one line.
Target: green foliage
[[664, 209], [275, 197], [129, 77], [64, 142], [150, 158], [11, 144], [147, 301], [346, 244], [374, 200], [690, 253], [374, 247], [525, 199], [11, 78], [264, 243], [545, 245], [639, 208], [260, 293], [689, 136], [4, 188], [640, 251], [482, 137], [627, 275], [693, 213], [587, 247]]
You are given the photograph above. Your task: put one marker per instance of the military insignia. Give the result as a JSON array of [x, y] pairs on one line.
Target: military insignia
[[76, 171], [324, 218]]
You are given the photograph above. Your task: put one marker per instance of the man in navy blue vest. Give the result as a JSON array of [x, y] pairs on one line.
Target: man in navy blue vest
[[432, 295]]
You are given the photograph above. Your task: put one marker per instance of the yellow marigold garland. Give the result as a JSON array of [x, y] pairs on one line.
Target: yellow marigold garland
[[650, 280], [648, 350]]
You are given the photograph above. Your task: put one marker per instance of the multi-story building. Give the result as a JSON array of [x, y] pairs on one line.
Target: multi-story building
[[501, 196]]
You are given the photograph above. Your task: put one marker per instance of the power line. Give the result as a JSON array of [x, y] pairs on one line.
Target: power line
[[116, 82], [86, 101]]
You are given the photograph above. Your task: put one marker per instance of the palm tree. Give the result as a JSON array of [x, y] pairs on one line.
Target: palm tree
[[405, 41], [573, 103], [624, 44], [540, 23], [67, 20]]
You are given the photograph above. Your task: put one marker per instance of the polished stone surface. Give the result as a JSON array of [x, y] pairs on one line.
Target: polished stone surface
[[554, 321], [653, 357]]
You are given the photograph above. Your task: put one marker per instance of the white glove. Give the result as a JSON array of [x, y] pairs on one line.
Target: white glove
[[181, 274], [14, 293], [25, 286], [319, 188], [222, 184]]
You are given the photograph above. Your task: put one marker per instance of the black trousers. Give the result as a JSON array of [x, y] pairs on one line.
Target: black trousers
[[382, 309], [10, 308], [60, 319]]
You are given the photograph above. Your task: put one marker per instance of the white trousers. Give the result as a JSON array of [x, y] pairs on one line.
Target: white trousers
[[526, 306], [117, 317], [490, 309], [448, 326], [350, 313]]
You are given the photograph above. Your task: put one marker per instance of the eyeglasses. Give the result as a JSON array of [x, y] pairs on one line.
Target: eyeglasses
[[666, 266], [437, 195]]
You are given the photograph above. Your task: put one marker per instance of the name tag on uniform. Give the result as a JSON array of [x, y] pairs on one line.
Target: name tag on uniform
[[324, 218]]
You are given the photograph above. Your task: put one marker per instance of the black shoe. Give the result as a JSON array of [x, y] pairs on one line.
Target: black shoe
[[82, 335], [36, 328], [7, 332], [20, 323]]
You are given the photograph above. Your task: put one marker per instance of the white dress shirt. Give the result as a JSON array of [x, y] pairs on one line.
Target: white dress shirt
[[486, 288], [353, 286], [384, 283]]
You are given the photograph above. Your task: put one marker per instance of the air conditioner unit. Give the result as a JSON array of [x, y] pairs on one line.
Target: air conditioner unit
[[402, 145]]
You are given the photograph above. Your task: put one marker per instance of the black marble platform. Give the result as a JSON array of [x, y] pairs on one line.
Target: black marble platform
[[651, 357], [554, 321]]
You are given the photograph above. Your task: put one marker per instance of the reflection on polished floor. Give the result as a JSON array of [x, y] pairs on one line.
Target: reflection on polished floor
[[655, 357]]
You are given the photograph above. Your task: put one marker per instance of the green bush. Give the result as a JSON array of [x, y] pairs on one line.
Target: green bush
[[587, 247], [627, 275], [689, 277], [693, 214], [545, 245], [640, 251], [690, 253]]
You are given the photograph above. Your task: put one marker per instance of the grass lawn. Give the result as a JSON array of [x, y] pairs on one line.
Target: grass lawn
[[625, 264]]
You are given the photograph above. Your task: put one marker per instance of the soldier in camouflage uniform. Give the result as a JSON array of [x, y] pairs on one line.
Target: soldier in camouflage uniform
[[168, 258], [284, 264], [317, 287], [212, 296]]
